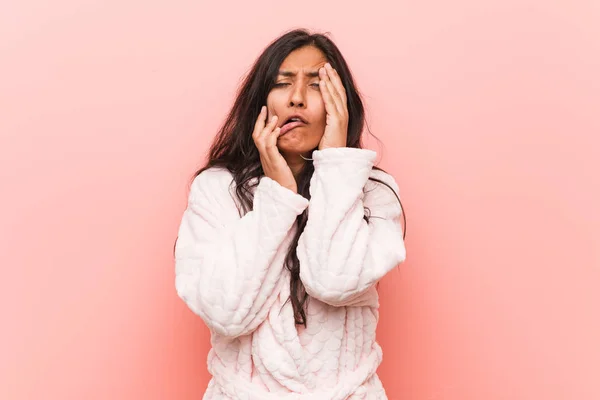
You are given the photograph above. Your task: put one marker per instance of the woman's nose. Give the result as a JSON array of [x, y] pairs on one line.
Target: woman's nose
[[297, 98], [296, 103]]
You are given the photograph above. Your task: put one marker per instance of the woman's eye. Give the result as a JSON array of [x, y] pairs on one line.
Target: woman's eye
[[316, 84], [281, 84]]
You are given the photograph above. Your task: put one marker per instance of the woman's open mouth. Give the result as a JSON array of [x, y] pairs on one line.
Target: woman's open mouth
[[292, 123]]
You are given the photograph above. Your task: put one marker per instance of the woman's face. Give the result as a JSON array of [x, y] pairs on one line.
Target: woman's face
[[297, 92]]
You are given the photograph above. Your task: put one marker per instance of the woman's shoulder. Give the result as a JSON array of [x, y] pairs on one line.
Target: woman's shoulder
[[381, 191], [379, 176], [212, 174], [214, 181]]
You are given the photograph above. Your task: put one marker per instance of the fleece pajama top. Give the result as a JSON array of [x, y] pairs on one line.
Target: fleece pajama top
[[230, 271]]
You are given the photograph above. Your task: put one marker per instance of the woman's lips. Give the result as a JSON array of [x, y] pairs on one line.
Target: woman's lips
[[291, 125]]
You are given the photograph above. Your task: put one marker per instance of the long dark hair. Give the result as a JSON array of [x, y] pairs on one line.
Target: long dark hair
[[234, 148]]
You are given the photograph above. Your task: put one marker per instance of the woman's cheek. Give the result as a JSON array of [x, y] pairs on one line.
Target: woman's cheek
[[272, 102], [269, 105]]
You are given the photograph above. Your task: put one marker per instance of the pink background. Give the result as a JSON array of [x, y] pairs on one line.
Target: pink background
[[489, 112]]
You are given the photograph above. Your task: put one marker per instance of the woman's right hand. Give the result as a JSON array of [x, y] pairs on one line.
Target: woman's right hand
[[274, 165]]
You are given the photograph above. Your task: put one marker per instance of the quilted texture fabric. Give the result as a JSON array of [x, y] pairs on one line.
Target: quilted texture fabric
[[230, 271]]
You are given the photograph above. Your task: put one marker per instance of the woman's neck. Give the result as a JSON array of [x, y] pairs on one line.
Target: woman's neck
[[295, 162]]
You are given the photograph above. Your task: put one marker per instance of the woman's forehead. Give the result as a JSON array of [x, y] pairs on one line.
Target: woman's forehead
[[305, 59]]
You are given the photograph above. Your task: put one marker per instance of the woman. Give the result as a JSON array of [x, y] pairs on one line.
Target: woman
[[287, 231]]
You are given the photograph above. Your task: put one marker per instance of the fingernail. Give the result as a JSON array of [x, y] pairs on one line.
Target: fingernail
[[327, 65], [262, 109]]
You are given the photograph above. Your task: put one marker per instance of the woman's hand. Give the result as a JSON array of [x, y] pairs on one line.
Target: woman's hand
[[273, 163], [334, 96]]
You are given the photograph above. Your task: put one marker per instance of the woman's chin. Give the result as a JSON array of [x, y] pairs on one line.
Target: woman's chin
[[288, 146], [288, 150]]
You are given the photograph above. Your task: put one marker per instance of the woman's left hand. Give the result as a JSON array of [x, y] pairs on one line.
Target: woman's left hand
[[334, 96]]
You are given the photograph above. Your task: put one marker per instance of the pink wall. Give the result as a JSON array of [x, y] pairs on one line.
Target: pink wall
[[489, 111]]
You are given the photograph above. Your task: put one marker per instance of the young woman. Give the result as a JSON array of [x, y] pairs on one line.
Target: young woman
[[288, 229]]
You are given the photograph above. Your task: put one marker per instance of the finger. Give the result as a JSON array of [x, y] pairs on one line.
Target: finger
[[271, 125], [337, 82], [259, 125], [332, 91], [271, 139], [330, 107], [268, 128], [336, 96]]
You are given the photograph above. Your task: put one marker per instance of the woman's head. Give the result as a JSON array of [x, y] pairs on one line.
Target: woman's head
[[296, 93], [283, 78]]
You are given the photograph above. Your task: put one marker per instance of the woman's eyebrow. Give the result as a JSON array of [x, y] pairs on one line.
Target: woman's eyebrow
[[310, 74]]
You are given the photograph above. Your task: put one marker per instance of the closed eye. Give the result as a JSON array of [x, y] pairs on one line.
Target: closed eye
[[282, 84]]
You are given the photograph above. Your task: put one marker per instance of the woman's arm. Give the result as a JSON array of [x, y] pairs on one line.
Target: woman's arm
[[341, 255], [224, 264]]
